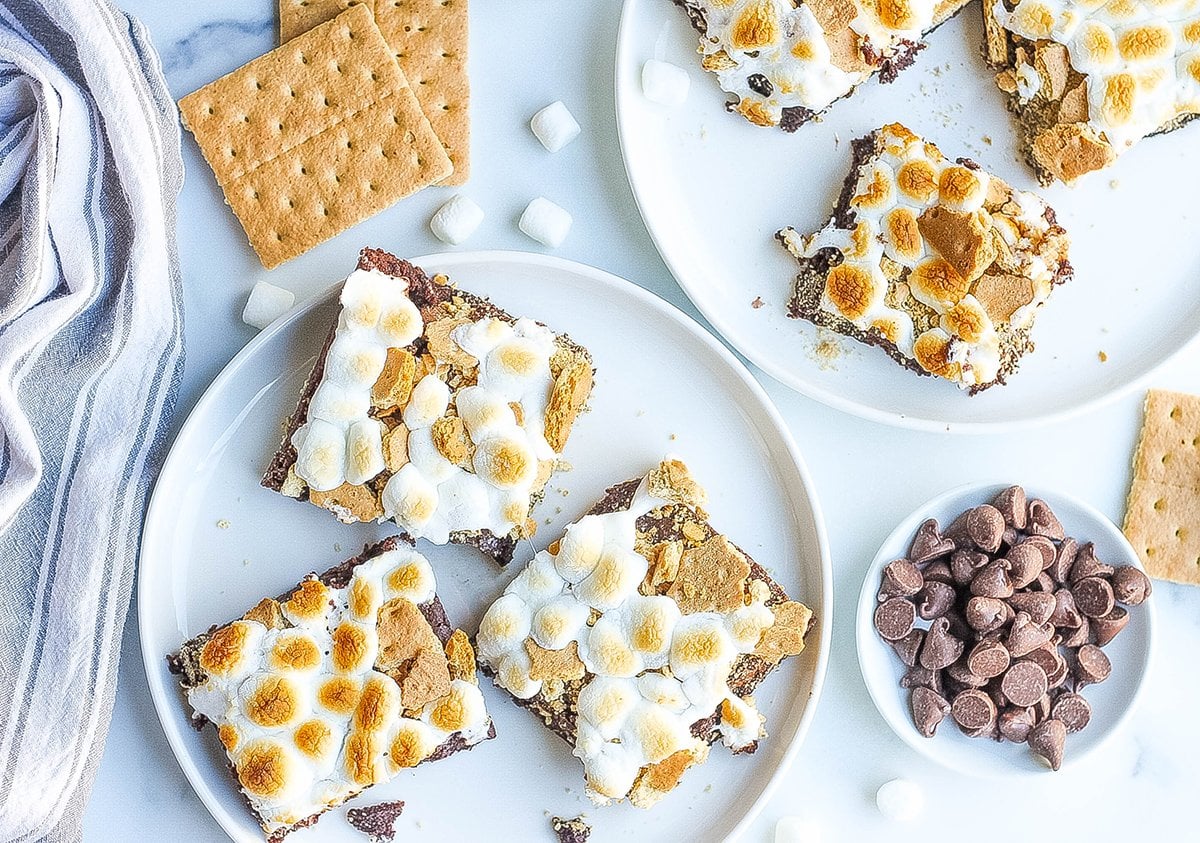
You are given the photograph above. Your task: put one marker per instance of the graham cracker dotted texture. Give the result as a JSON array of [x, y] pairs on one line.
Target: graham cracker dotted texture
[[430, 40], [1162, 514], [315, 136]]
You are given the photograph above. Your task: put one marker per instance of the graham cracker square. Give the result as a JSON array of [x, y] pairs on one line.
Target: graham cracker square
[[315, 136], [430, 40], [1162, 515]]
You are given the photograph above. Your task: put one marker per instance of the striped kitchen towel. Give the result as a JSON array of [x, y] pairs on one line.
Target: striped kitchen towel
[[91, 356]]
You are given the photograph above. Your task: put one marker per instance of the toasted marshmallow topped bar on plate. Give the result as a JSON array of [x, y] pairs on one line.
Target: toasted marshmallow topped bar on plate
[[349, 678], [785, 61], [640, 636], [939, 263], [433, 408], [1088, 79]]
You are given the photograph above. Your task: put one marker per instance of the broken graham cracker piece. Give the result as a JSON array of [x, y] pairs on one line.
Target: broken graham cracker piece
[[784, 62], [398, 420], [1162, 513], [710, 578], [310, 694], [1087, 81], [430, 41], [616, 629], [939, 263], [315, 136]]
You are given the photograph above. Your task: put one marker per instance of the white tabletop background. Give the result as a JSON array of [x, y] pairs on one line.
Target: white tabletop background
[[526, 54]]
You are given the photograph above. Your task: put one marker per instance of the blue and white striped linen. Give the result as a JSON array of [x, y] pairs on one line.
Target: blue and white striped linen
[[91, 356]]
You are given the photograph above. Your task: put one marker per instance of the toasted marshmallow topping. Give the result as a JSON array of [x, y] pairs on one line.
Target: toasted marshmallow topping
[[651, 672], [775, 54], [948, 245], [1141, 59], [473, 459], [304, 715], [336, 444], [494, 492]]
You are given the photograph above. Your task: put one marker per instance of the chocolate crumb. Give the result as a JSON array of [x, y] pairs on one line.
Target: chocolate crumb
[[757, 303], [571, 831], [378, 822]]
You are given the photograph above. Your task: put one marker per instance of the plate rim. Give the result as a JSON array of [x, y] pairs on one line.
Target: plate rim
[[151, 661], [778, 372], [864, 631]]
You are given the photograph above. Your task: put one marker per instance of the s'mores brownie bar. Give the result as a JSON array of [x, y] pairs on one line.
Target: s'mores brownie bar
[[1087, 80], [786, 61], [640, 636], [937, 262], [338, 685], [433, 408]]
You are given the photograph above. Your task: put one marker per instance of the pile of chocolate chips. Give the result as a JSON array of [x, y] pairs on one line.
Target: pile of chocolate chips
[[1018, 615]]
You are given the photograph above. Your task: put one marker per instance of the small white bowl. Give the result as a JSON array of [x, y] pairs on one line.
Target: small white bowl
[[1112, 701]]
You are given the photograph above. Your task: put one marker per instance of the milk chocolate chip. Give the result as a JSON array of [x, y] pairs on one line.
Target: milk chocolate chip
[[1105, 629], [961, 673], [1060, 568], [974, 711], [934, 600], [1043, 546], [908, 646], [938, 572], [1024, 563], [929, 709], [928, 544], [920, 677], [1037, 604], [900, 579], [1078, 636], [1093, 596], [1011, 505], [965, 564], [1130, 586], [1091, 666], [941, 649], [1087, 565], [1015, 724], [985, 527], [1047, 739], [1026, 635], [895, 617], [1043, 521], [1024, 683], [1065, 612], [988, 658], [1073, 710], [993, 580], [987, 614]]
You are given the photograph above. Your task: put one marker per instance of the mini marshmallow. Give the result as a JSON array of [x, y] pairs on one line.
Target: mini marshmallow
[[266, 304], [364, 451], [665, 83], [554, 126], [545, 222], [457, 220], [428, 402], [900, 800], [321, 456]]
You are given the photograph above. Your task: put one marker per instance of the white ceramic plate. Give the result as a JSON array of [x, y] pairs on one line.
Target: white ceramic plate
[[713, 190], [216, 542], [1112, 701]]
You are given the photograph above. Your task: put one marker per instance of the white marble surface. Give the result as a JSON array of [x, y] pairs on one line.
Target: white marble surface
[[525, 54]]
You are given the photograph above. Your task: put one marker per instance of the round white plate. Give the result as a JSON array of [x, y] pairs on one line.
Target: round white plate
[[1112, 701], [216, 542], [713, 191]]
